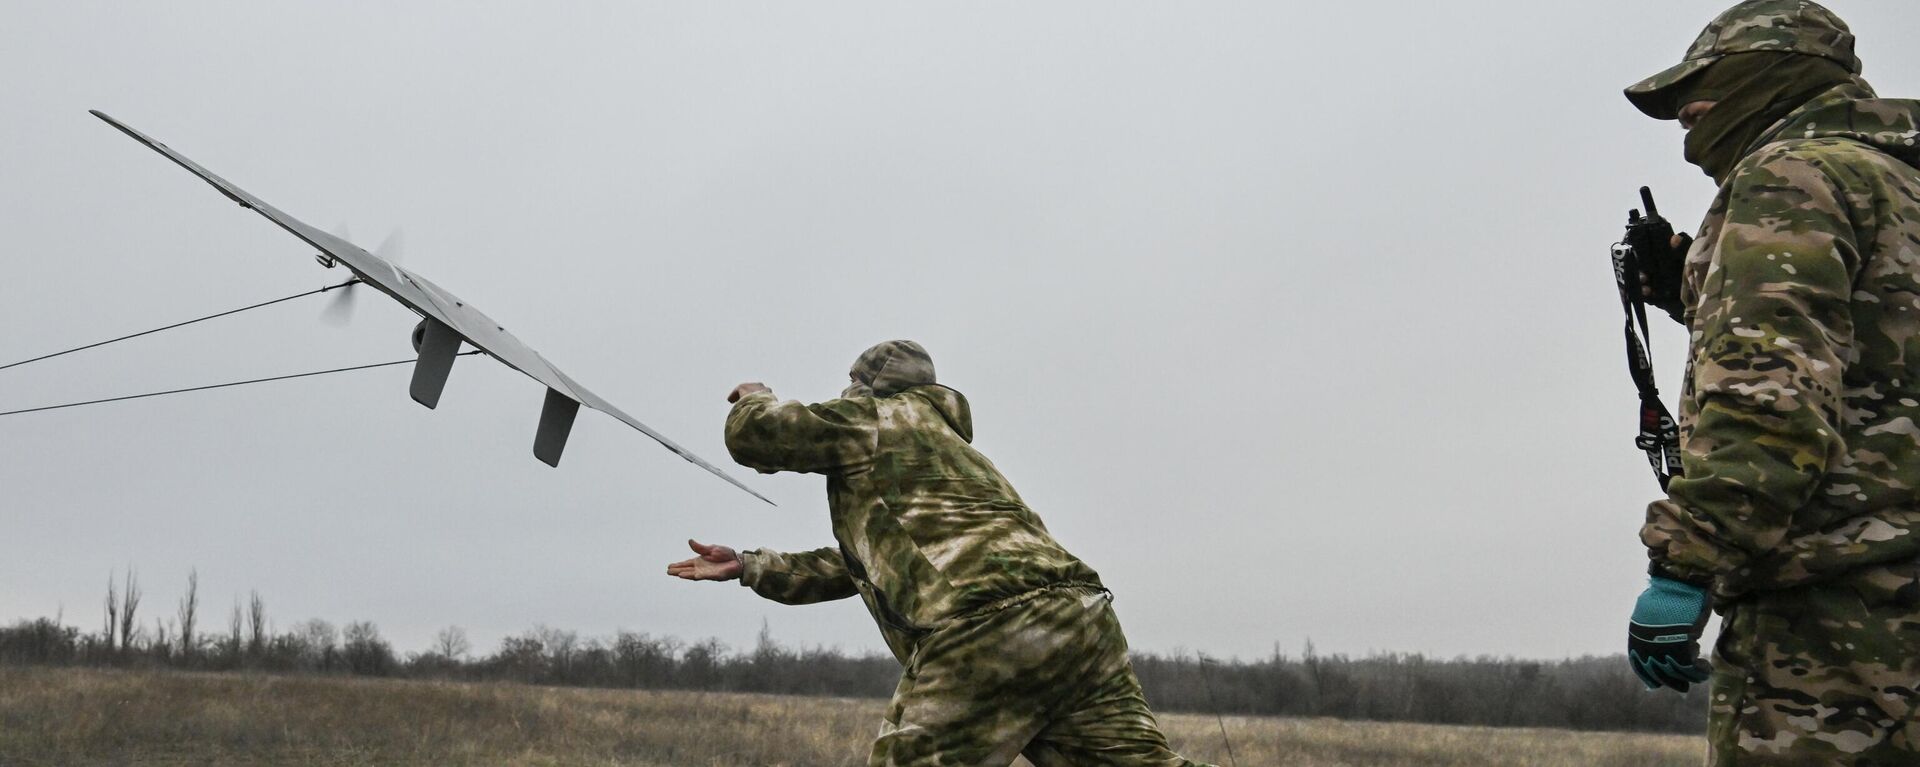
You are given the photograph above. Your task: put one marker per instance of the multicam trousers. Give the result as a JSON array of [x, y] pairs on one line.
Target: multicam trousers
[[1824, 674], [1047, 678]]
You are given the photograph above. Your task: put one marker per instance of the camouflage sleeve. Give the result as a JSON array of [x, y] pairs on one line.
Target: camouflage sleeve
[[768, 435], [1771, 322], [796, 579]]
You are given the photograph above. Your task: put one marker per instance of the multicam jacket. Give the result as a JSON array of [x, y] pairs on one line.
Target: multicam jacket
[[1800, 417], [929, 530]]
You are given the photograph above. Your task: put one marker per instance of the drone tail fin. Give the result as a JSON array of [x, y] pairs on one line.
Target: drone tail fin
[[438, 344], [556, 422]]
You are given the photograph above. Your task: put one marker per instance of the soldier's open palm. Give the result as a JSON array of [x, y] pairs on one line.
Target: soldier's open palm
[[715, 563]]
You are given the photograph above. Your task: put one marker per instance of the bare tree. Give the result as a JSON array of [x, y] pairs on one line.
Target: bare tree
[[161, 645], [320, 642], [563, 648], [113, 611], [366, 653], [256, 624], [129, 604], [451, 643], [189, 613], [233, 633]]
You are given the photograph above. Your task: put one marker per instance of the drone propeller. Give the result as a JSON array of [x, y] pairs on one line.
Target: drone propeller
[[339, 311]]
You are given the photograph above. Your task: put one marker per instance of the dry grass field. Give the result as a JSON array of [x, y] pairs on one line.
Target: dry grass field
[[52, 716]]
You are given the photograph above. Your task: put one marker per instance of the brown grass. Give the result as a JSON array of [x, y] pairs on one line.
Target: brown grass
[[82, 716]]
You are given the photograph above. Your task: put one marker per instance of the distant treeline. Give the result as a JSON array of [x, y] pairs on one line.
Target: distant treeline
[[1588, 693]]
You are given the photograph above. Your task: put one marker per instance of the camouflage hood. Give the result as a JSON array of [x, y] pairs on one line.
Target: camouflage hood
[[1851, 111], [888, 368], [951, 405], [896, 367]]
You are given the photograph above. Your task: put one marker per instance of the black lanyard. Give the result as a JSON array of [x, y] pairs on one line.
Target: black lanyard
[[1659, 434]]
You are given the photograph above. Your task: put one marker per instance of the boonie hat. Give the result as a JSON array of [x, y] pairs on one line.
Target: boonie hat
[[1787, 26]]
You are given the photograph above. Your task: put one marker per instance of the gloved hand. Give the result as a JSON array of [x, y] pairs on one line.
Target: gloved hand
[[1663, 638], [1660, 269]]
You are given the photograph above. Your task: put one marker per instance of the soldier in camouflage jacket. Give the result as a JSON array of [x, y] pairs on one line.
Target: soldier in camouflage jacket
[[1009, 643], [1799, 510]]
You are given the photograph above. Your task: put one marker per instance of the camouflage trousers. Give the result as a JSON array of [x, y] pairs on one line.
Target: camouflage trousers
[[1047, 678], [1825, 674]]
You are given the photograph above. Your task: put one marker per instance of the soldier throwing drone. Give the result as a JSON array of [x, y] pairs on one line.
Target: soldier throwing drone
[[1009, 643], [1797, 513]]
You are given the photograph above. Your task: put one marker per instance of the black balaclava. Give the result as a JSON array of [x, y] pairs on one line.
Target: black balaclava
[[1754, 90]]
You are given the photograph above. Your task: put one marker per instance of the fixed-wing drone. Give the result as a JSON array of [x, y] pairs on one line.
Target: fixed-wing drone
[[445, 323]]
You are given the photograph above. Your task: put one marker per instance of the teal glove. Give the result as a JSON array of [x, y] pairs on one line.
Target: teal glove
[[1663, 638]]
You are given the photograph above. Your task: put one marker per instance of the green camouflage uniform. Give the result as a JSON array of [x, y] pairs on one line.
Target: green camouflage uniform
[[1008, 641], [1801, 496]]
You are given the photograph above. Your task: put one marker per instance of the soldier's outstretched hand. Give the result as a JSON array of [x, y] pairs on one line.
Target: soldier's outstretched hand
[[715, 563]]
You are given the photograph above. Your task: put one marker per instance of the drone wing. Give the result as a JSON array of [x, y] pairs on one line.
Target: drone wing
[[448, 321]]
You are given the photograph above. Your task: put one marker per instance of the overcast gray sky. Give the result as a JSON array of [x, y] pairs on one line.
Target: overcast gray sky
[[1294, 320]]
